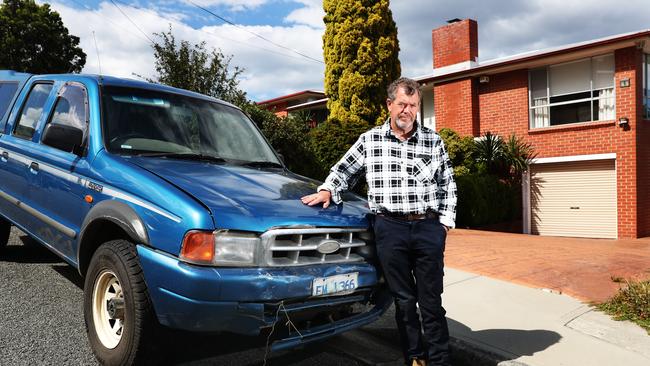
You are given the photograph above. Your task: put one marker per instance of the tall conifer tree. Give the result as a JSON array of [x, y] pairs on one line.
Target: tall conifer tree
[[361, 58]]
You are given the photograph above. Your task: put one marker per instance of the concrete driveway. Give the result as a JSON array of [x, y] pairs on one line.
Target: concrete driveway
[[582, 268]]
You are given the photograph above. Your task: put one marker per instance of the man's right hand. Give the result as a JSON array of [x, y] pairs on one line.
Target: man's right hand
[[323, 197]]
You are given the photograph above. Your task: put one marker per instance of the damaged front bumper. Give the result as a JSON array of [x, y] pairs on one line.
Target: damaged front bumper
[[251, 301]]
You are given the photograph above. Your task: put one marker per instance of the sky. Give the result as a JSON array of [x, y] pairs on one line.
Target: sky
[[278, 43]]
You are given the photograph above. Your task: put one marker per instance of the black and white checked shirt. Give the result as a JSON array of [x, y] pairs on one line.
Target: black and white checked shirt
[[404, 177]]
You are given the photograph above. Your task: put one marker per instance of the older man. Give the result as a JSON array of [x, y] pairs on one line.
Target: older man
[[411, 191]]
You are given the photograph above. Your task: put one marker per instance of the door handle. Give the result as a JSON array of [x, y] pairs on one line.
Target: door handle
[[33, 167], [5, 156]]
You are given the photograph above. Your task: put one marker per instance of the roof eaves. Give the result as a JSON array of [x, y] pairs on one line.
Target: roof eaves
[[290, 96], [449, 73]]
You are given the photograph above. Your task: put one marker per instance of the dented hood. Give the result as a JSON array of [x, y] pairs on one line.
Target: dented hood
[[243, 198]]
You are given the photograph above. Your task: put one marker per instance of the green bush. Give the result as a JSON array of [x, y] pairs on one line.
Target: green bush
[[632, 302], [461, 150], [330, 140], [485, 199]]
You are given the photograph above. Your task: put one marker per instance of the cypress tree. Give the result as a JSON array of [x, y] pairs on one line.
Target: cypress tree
[[361, 58]]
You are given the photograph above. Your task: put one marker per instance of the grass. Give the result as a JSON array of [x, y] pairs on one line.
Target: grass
[[632, 302]]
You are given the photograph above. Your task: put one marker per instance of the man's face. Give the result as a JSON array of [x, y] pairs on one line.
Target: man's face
[[403, 109]]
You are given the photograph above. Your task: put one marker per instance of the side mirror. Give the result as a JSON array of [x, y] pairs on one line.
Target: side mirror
[[63, 137]]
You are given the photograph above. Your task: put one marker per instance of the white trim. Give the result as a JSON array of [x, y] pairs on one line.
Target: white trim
[[537, 53], [84, 181], [527, 207], [461, 66], [562, 159], [525, 197]]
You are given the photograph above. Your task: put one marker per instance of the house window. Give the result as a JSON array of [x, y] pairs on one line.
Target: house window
[[576, 91], [646, 85]]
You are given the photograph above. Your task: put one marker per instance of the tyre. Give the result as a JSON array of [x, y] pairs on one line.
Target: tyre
[[5, 230], [117, 309]]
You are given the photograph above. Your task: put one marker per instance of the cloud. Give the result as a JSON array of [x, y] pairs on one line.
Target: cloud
[[233, 5], [311, 14], [506, 27], [124, 50]]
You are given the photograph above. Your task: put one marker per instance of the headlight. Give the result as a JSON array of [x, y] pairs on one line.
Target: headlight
[[221, 248], [232, 249]]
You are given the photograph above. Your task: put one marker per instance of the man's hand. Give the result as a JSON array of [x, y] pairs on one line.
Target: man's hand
[[323, 196]]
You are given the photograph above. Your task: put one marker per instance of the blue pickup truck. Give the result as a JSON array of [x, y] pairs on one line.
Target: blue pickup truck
[[178, 213]]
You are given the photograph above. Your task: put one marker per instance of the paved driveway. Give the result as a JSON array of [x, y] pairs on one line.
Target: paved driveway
[[582, 268]]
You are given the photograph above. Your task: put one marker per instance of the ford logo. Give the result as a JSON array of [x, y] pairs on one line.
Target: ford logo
[[328, 246]]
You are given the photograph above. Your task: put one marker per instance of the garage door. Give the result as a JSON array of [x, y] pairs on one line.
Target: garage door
[[574, 199]]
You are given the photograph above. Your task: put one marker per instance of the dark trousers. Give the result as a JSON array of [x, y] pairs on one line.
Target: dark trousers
[[411, 256]]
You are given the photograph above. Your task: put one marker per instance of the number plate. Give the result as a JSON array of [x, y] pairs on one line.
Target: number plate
[[335, 285]]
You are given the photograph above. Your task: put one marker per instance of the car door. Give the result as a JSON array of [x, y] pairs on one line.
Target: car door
[[15, 172], [61, 175]]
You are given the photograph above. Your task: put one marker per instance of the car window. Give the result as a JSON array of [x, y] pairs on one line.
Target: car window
[[32, 111], [71, 107], [140, 121]]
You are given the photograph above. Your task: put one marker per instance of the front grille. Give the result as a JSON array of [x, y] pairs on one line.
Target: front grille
[[300, 246]]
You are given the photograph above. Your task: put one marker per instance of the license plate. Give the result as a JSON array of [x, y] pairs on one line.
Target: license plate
[[335, 285]]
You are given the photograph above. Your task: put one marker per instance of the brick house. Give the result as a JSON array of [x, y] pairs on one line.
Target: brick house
[[307, 101], [585, 109]]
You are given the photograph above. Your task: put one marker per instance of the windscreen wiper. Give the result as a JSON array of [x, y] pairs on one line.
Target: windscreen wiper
[[186, 156], [262, 164]]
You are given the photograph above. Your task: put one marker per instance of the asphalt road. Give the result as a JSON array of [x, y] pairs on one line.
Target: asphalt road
[[41, 323]]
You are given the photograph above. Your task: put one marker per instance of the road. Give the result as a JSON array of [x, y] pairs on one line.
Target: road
[[41, 323]]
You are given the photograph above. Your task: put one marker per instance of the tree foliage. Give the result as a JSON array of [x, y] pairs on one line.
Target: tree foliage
[[33, 39], [289, 136], [361, 58], [332, 139], [488, 173], [193, 67]]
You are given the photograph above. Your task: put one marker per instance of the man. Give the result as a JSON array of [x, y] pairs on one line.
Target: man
[[411, 191]]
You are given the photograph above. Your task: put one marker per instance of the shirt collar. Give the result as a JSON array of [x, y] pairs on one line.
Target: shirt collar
[[388, 132]]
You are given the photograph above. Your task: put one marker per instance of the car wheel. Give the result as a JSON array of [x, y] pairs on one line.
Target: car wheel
[[117, 309], [5, 230]]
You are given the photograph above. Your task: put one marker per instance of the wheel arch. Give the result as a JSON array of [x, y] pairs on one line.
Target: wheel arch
[[108, 220]]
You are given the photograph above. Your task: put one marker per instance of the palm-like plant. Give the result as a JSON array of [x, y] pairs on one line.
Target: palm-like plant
[[490, 153], [507, 159], [519, 154]]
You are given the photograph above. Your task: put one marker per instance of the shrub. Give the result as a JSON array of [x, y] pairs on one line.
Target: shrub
[[330, 140], [461, 150], [631, 303], [485, 199]]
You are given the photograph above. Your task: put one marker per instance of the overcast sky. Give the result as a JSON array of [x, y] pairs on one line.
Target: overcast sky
[[278, 42]]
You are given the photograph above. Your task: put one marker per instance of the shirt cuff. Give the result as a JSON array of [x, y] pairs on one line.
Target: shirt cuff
[[447, 222], [336, 196]]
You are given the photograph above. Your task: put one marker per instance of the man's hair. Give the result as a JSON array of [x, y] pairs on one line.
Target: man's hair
[[410, 87]]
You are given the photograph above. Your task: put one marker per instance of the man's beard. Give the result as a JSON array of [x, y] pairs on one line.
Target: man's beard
[[404, 125]]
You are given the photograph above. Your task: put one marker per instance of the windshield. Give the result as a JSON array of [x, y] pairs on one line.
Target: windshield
[[144, 122]]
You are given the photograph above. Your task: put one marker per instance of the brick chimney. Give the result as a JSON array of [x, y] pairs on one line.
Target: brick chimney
[[455, 42]]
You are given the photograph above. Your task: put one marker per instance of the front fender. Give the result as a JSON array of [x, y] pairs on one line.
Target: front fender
[[112, 213]]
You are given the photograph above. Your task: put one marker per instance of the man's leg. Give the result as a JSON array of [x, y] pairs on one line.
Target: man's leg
[[429, 244], [392, 238]]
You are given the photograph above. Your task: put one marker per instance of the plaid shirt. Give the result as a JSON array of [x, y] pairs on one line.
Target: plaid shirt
[[404, 177]]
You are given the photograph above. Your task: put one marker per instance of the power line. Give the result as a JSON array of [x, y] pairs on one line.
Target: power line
[[253, 33], [243, 43], [132, 22], [117, 26]]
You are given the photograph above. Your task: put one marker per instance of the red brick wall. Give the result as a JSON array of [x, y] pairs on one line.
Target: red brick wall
[[454, 43], [456, 106], [503, 104], [503, 109], [642, 157]]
